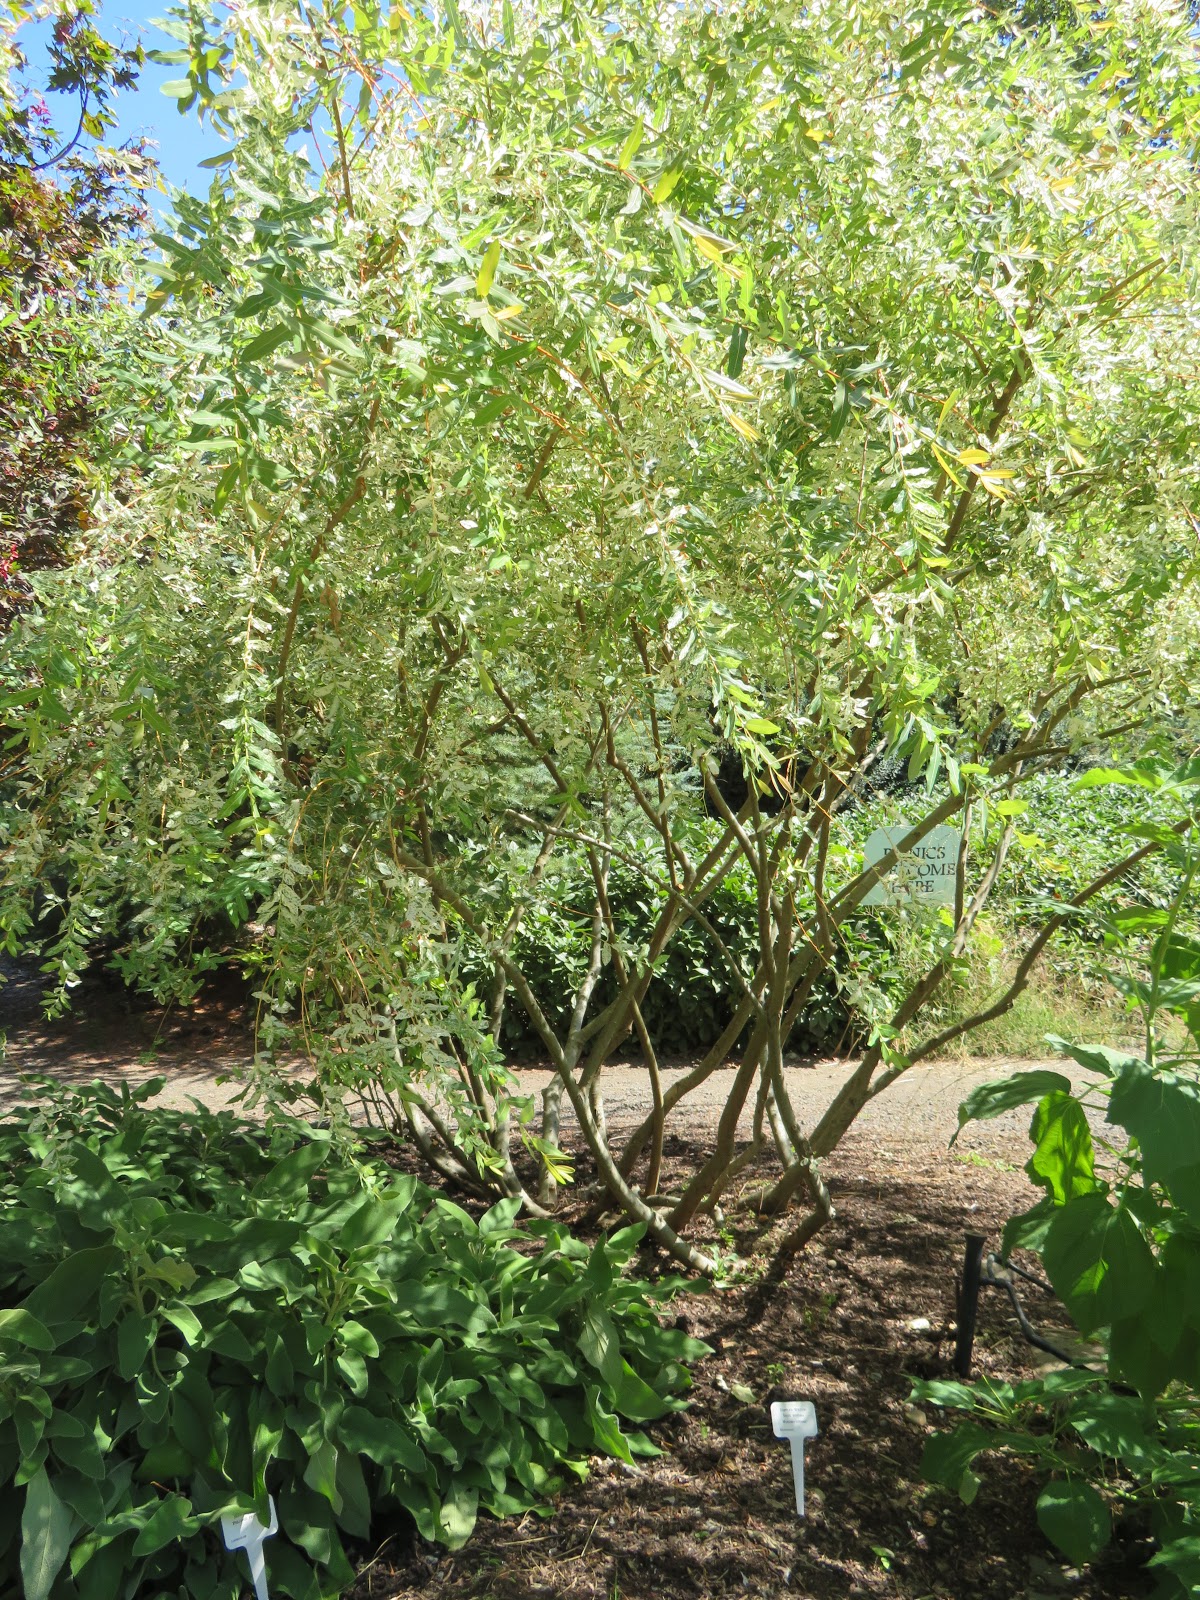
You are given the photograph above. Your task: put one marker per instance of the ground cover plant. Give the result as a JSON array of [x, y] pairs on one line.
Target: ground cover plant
[[1117, 1231], [563, 431], [196, 1314]]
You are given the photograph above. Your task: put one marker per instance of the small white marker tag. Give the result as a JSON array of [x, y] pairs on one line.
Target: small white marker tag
[[795, 1421], [248, 1533]]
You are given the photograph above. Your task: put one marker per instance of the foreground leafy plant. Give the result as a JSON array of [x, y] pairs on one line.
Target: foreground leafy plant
[[196, 1315], [1121, 1246]]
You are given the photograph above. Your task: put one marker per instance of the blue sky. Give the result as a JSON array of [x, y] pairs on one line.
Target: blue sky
[[182, 142]]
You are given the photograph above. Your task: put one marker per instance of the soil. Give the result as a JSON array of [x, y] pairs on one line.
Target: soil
[[868, 1307]]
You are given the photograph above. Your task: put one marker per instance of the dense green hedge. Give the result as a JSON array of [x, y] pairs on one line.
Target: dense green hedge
[[195, 1314]]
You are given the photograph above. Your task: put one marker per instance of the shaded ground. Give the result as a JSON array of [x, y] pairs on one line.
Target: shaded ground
[[715, 1515], [867, 1308]]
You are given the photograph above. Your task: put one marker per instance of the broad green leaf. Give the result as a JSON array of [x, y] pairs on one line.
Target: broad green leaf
[[1098, 1261], [460, 1510], [1162, 1112], [62, 1295], [46, 1531], [22, 1328], [1075, 1519], [321, 1473], [380, 1438], [289, 1178], [171, 1521], [1063, 1160], [948, 1457], [135, 1335], [1006, 1094]]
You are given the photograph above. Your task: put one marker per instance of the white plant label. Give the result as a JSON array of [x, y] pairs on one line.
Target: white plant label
[[248, 1533], [795, 1421], [925, 874]]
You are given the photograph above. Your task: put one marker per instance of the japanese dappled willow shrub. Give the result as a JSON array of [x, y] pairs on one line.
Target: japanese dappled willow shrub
[[635, 383]]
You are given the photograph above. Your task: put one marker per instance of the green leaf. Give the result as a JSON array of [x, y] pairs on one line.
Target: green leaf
[[1063, 1162], [947, 1457], [18, 1326], [487, 269], [667, 181], [321, 1473], [135, 1335], [841, 409], [289, 1178], [1178, 959], [1181, 1558], [1027, 1231], [1162, 1112], [46, 1530], [1006, 1094], [459, 1513], [382, 1439], [737, 352], [632, 144], [606, 1430], [374, 1222], [601, 1346], [269, 340], [171, 1521], [1116, 1425], [1075, 1519], [1098, 1261], [1096, 1057], [332, 338], [62, 1296]]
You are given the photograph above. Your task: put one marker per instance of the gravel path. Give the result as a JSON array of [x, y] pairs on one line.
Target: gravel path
[[921, 1108], [202, 1051]]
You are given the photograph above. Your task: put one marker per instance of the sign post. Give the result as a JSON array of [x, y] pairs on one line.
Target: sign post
[[247, 1533], [795, 1421], [924, 875]]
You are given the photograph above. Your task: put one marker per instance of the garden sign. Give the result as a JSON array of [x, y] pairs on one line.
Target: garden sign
[[925, 874]]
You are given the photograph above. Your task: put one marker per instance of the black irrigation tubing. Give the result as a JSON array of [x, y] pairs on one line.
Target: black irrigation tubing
[[1032, 1336], [996, 1274]]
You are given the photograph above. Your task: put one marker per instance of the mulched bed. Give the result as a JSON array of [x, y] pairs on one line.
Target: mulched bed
[[715, 1514]]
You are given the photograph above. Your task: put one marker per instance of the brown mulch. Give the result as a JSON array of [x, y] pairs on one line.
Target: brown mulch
[[715, 1514]]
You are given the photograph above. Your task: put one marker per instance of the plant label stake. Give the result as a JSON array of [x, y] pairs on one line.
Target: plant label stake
[[795, 1421], [248, 1533]]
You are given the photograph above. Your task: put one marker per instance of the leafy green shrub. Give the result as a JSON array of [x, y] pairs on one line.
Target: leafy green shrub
[[196, 1314], [1120, 1244]]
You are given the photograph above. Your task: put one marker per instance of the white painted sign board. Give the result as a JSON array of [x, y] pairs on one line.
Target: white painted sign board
[[795, 1421], [925, 874], [247, 1533]]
